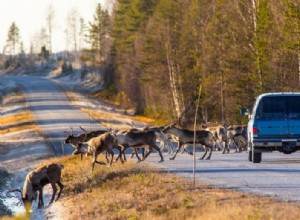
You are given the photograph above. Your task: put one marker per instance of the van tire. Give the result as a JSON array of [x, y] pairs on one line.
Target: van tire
[[250, 155], [256, 157]]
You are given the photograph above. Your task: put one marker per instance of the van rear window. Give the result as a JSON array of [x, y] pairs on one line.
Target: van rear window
[[278, 108]]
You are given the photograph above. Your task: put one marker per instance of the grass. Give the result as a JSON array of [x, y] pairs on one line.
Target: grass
[[17, 122], [103, 116], [136, 191]]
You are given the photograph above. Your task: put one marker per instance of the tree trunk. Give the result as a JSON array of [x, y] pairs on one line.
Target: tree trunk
[[172, 76], [258, 67]]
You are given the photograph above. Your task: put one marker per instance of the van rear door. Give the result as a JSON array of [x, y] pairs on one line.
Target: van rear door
[[271, 118]]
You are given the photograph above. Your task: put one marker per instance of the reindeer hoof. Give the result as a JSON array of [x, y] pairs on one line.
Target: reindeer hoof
[[190, 153], [161, 161], [207, 158]]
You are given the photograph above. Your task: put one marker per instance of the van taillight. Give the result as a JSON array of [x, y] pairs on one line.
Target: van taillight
[[254, 130]]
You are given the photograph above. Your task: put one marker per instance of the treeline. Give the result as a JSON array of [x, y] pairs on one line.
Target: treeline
[[165, 51]]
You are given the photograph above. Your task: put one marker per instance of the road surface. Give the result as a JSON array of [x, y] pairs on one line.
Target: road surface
[[53, 112]]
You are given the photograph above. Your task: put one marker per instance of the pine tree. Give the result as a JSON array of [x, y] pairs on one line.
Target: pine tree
[[13, 42], [99, 31]]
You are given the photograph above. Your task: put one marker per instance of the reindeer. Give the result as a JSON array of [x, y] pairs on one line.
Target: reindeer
[[97, 145], [165, 139], [235, 135], [36, 180], [76, 141], [139, 139], [185, 136]]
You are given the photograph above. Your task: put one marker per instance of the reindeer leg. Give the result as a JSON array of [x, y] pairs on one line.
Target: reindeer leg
[[149, 152], [189, 152], [171, 147], [132, 154], [226, 147], [143, 152], [179, 146], [162, 145], [160, 154], [54, 192], [210, 152], [95, 161], [123, 153], [135, 150], [61, 186], [205, 148], [120, 154], [112, 156], [106, 156], [40, 198]]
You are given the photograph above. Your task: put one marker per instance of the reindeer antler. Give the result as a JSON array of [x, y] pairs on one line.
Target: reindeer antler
[[71, 130], [82, 128], [15, 190]]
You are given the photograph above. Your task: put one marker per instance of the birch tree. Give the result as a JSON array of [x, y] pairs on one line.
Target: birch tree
[[50, 16]]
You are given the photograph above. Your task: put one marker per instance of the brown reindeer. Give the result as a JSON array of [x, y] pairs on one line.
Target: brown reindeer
[[35, 182]]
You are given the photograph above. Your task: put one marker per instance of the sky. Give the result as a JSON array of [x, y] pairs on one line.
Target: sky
[[30, 17]]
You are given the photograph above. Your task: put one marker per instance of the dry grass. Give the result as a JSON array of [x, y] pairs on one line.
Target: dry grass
[[135, 191], [16, 122], [104, 116]]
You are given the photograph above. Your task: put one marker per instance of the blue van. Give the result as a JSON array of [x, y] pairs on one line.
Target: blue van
[[274, 125]]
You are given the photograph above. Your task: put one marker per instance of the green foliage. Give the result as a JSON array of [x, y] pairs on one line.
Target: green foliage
[[99, 31], [234, 49]]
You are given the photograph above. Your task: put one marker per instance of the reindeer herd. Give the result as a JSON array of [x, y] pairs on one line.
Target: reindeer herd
[[109, 141]]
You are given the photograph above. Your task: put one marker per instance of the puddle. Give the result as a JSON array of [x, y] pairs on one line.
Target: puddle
[[11, 202]]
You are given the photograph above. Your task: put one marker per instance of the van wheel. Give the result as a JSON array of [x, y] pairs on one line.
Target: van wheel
[[256, 157], [250, 155]]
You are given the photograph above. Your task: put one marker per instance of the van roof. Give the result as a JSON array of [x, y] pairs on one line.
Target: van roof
[[280, 94]]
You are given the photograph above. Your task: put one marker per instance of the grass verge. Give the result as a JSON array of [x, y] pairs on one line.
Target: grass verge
[[136, 191]]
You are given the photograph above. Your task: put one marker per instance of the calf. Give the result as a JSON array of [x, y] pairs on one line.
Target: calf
[[97, 145], [185, 136]]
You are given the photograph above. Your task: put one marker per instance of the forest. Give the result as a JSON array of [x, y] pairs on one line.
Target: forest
[[164, 58], [165, 51]]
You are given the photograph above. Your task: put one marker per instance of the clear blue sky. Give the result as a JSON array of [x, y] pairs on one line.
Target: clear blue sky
[[30, 17]]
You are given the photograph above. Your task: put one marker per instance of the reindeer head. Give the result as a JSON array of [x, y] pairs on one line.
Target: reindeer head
[[168, 127], [28, 195], [69, 137]]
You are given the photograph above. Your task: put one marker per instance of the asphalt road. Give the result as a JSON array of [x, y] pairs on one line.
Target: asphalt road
[[277, 175], [52, 111]]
